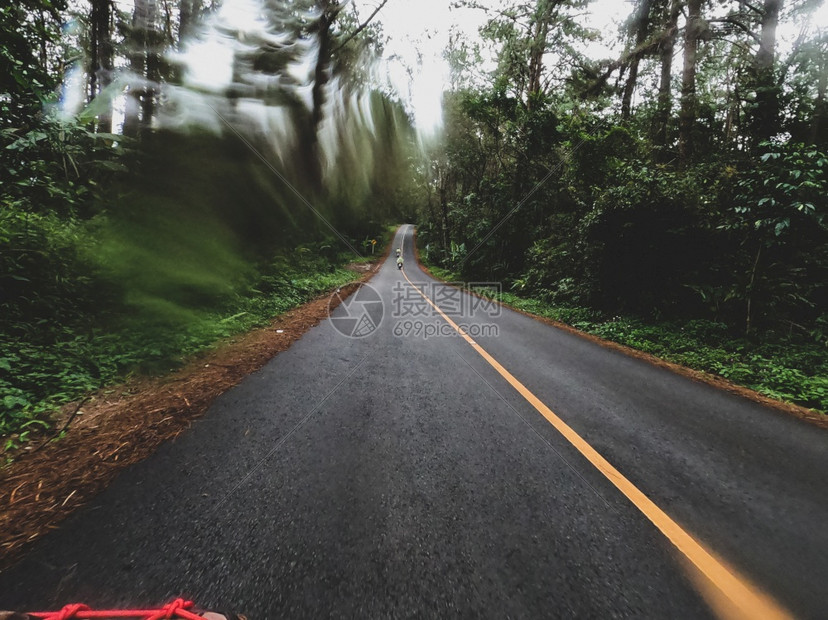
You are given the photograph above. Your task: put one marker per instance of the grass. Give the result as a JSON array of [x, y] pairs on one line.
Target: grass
[[441, 274], [48, 365]]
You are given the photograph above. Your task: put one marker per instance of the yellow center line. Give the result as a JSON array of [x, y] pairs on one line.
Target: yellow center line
[[741, 598]]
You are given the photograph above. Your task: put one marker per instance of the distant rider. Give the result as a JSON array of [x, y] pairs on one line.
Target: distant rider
[[399, 262]]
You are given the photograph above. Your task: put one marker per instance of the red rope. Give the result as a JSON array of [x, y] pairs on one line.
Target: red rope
[[70, 611], [179, 608]]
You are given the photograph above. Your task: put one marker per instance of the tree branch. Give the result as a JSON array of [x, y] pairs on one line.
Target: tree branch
[[637, 53], [361, 27], [755, 9], [738, 24]]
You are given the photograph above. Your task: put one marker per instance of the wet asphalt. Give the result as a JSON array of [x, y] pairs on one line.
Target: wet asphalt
[[396, 474]]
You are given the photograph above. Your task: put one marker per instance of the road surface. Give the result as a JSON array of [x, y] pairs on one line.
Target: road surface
[[409, 473]]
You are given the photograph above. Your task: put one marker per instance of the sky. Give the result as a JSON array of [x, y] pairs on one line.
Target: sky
[[418, 33], [422, 28]]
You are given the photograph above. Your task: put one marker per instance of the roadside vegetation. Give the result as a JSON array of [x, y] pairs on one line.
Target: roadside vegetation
[[672, 198], [58, 362], [783, 366], [127, 245], [680, 185]]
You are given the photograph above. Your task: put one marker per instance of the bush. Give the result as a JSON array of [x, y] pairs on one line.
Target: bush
[[53, 363]]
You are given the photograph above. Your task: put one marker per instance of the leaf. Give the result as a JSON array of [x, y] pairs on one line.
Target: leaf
[[12, 402], [31, 423], [780, 226]]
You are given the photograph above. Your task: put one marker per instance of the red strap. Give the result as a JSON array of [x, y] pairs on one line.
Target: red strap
[[179, 609], [174, 610], [70, 611]]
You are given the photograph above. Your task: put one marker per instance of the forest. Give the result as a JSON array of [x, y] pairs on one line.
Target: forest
[[146, 212], [149, 207], [673, 197]]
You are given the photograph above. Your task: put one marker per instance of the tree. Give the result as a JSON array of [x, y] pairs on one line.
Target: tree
[[139, 96], [641, 29], [666, 47], [29, 67], [537, 48], [694, 31], [529, 37], [766, 123], [781, 210], [101, 57], [189, 11]]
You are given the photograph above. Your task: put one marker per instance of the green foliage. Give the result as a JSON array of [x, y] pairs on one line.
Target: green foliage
[[26, 79], [51, 364], [807, 108], [783, 194], [780, 215], [125, 254], [586, 216], [643, 235]]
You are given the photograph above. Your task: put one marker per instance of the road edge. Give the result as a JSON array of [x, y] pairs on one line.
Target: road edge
[[802, 413], [39, 490]]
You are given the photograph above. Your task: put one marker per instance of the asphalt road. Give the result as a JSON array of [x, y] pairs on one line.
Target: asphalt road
[[399, 475]]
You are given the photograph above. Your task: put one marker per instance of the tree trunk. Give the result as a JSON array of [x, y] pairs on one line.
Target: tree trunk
[[188, 13], [153, 65], [44, 55], [642, 25], [145, 64], [749, 300], [137, 43], [101, 57], [819, 123], [731, 107], [687, 114], [537, 49], [185, 20], [321, 74], [629, 88], [767, 91], [444, 208], [665, 98], [309, 146]]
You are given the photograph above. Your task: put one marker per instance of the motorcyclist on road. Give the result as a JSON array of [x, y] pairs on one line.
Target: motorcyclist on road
[[399, 262]]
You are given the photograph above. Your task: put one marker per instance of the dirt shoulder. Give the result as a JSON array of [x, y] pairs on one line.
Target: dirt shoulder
[[122, 425]]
